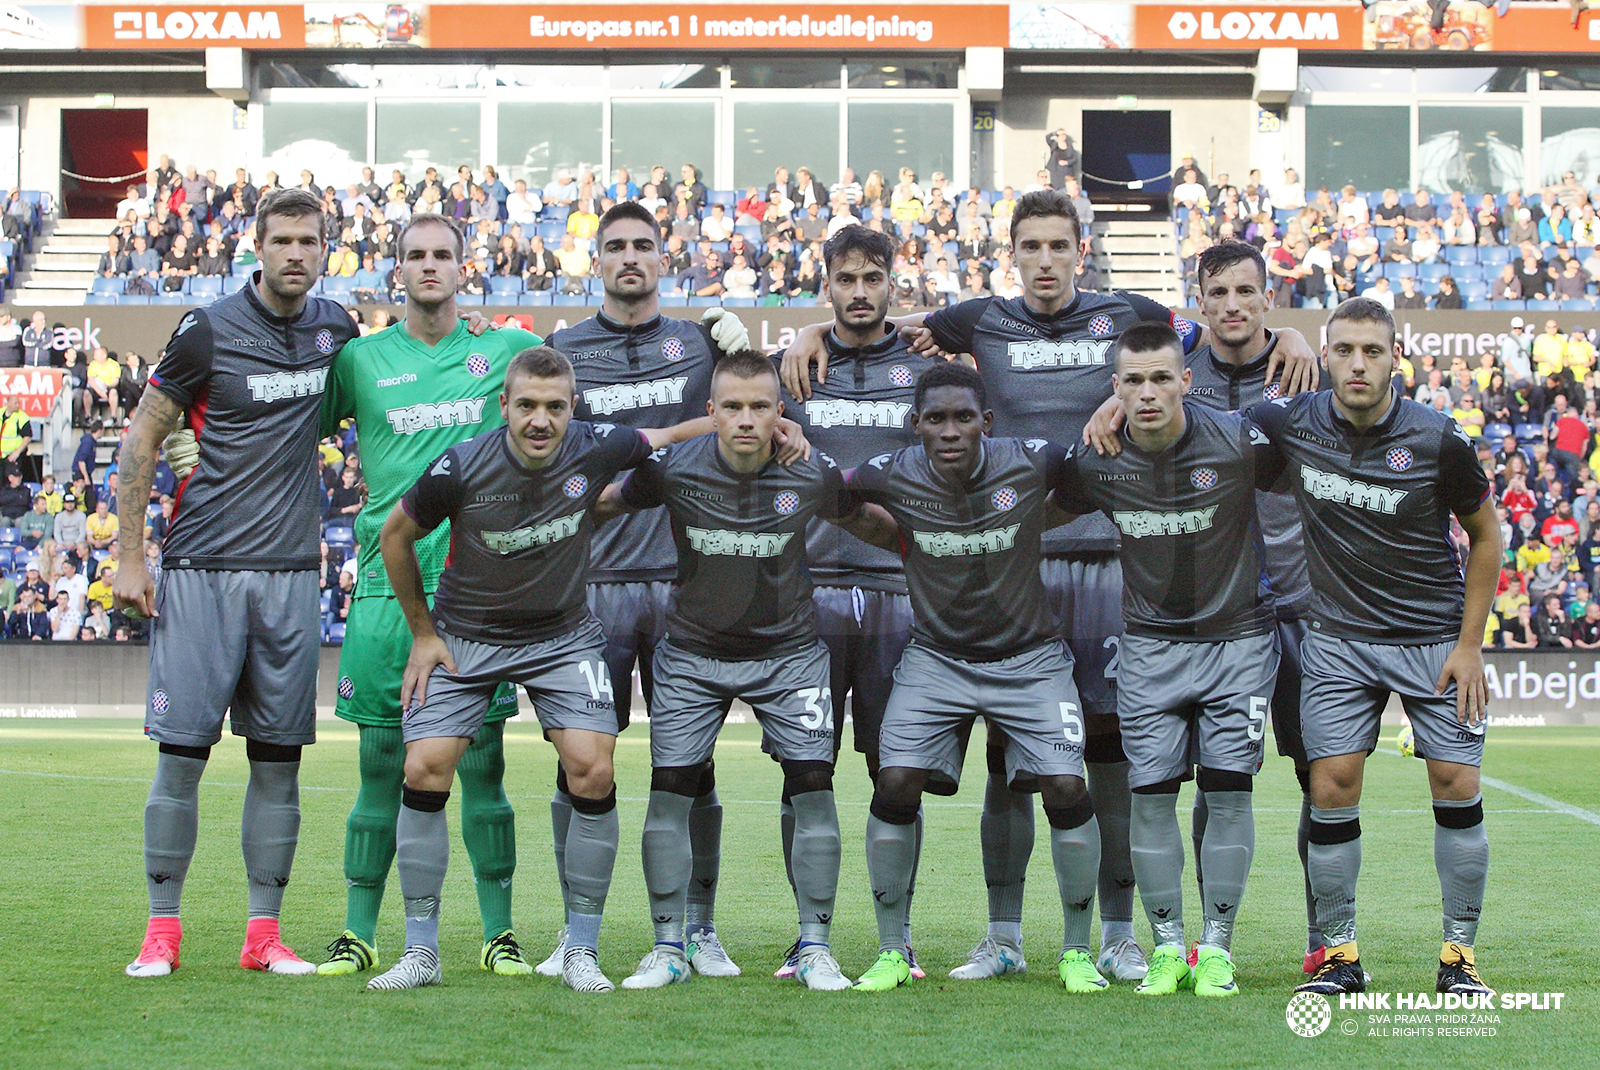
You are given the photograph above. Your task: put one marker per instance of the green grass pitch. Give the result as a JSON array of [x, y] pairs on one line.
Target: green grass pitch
[[72, 912]]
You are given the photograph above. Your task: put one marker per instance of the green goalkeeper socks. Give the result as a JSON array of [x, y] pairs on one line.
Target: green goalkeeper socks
[[369, 832], [488, 826]]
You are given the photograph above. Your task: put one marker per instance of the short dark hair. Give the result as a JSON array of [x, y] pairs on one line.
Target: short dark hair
[[541, 362], [744, 364], [1218, 258], [1361, 310], [626, 210], [1043, 204], [1149, 337], [875, 246], [288, 203], [951, 373], [432, 219]]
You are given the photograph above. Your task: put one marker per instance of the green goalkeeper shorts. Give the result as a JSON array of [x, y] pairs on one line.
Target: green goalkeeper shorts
[[372, 665]]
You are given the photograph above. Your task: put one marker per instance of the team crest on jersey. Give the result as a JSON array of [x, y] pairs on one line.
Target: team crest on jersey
[[575, 486], [1273, 392], [1398, 459], [787, 502], [159, 703], [1101, 325], [1004, 498], [672, 349], [324, 341], [1186, 329], [1203, 478], [900, 375], [478, 365], [347, 687]]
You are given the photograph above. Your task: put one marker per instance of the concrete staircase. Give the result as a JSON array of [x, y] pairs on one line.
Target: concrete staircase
[[1138, 254], [63, 266]]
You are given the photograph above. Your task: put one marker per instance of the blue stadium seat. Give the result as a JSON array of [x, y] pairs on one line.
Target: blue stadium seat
[[1508, 306], [1494, 254], [1476, 304], [233, 283], [502, 285], [738, 302], [721, 248], [1432, 271], [676, 299], [168, 299], [593, 286], [726, 197], [102, 285], [339, 535], [552, 231], [327, 601], [206, 284], [1529, 432], [5, 557], [534, 298], [10, 536], [1461, 254], [1399, 271], [336, 632], [1475, 290], [470, 299], [384, 265], [704, 302], [338, 286], [1542, 305], [1496, 431], [106, 299], [751, 234], [567, 299], [667, 284]]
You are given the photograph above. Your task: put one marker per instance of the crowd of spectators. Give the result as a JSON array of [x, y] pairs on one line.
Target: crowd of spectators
[[1405, 249]]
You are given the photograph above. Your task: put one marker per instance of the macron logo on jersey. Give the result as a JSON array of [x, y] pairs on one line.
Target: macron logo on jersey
[[606, 400], [280, 385], [509, 542], [955, 544], [431, 414], [832, 412], [1330, 487], [1139, 523], [737, 543], [1030, 356]]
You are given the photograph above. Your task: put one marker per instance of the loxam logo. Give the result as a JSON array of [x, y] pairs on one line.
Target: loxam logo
[[833, 412], [280, 385], [956, 544], [605, 400], [431, 414], [191, 24], [1255, 25]]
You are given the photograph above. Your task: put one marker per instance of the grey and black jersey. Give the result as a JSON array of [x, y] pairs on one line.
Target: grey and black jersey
[[519, 536], [1191, 553], [656, 374], [251, 383], [863, 410], [1376, 507], [1046, 375], [971, 553], [1217, 384], [742, 590]]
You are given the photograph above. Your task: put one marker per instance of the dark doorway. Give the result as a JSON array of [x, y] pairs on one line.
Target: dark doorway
[[1127, 146], [101, 143]]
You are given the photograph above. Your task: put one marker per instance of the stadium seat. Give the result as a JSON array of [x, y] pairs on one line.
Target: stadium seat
[[502, 285], [168, 299], [10, 536], [551, 232], [1494, 254], [338, 286], [704, 302], [751, 234], [103, 299], [1474, 290], [534, 298], [102, 285], [738, 302], [1529, 432], [726, 197], [342, 535], [1496, 431], [327, 601], [1477, 304], [336, 632], [1432, 271], [667, 284], [206, 284], [1399, 271], [471, 299], [1542, 304], [233, 283], [567, 300], [1507, 306], [676, 299], [1461, 254]]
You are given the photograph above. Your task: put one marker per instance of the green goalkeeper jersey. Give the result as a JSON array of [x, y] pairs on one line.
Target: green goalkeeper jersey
[[411, 403]]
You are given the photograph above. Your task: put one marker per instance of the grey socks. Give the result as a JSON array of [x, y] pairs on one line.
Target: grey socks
[[815, 863], [591, 855], [171, 821], [269, 831], [1108, 787], [891, 853], [668, 863], [1075, 849], [1302, 843], [1229, 845], [1157, 852], [560, 822], [1461, 855], [1005, 832], [422, 854], [1333, 864], [705, 844]]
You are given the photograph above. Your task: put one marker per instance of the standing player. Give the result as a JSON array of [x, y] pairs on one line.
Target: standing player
[[414, 392], [1377, 477], [509, 606], [1198, 655], [640, 369], [864, 410], [741, 625], [970, 512], [1046, 360], [238, 626]]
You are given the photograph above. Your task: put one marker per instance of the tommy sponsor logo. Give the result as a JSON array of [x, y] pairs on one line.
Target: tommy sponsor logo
[[189, 24], [509, 542], [835, 412], [619, 396], [957, 544], [1138, 523], [431, 414], [1255, 25], [280, 385], [1030, 356], [737, 543], [1332, 487], [397, 380]]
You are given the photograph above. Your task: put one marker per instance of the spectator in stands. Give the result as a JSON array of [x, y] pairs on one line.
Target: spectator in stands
[[1422, 211], [99, 592], [344, 503], [1352, 208], [369, 282], [1190, 193], [1487, 221], [690, 189], [1519, 633], [473, 280], [807, 191], [1458, 229], [740, 279], [575, 264], [16, 433], [37, 524], [1550, 350], [177, 265], [539, 266], [1551, 625], [1425, 248], [15, 498], [522, 205], [1497, 401], [1571, 284], [70, 583], [64, 619], [1449, 297], [36, 342], [1409, 297], [847, 187], [1508, 286], [1532, 273], [144, 265], [1554, 226], [562, 190], [1398, 248], [1379, 291], [114, 263], [1586, 227], [84, 460], [1061, 157], [508, 261], [28, 619], [1521, 227], [705, 279], [397, 209], [1586, 630], [807, 281], [215, 261]]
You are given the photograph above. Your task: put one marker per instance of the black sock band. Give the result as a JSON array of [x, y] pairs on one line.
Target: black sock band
[[596, 807], [1070, 817], [561, 779], [1459, 817], [1224, 780], [893, 813], [708, 779], [257, 751], [201, 753], [427, 802], [1165, 787], [1329, 833], [676, 780]]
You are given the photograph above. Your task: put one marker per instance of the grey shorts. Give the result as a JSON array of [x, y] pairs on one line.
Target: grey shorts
[[1084, 593], [790, 694], [243, 642], [1182, 704], [1347, 684], [1030, 696], [866, 632], [1286, 692], [565, 678], [634, 617]]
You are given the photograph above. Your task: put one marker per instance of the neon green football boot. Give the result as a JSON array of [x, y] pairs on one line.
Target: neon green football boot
[[1169, 972], [503, 955], [890, 971], [1213, 973], [348, 954], [1077, 972]]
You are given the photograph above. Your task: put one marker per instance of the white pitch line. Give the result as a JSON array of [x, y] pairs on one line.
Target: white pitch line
[[1523, 793]]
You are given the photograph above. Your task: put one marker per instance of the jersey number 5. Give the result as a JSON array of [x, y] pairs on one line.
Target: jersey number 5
[[819, 708], [1071, 723], [1258, 718]]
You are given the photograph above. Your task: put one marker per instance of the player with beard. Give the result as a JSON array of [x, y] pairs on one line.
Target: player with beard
[[638, 368], [1046, 359]]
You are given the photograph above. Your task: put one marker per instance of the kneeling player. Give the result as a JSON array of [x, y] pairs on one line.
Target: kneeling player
[[1377, 476], [1199, 657], [970, 513], [510, 607], [740, 625]]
